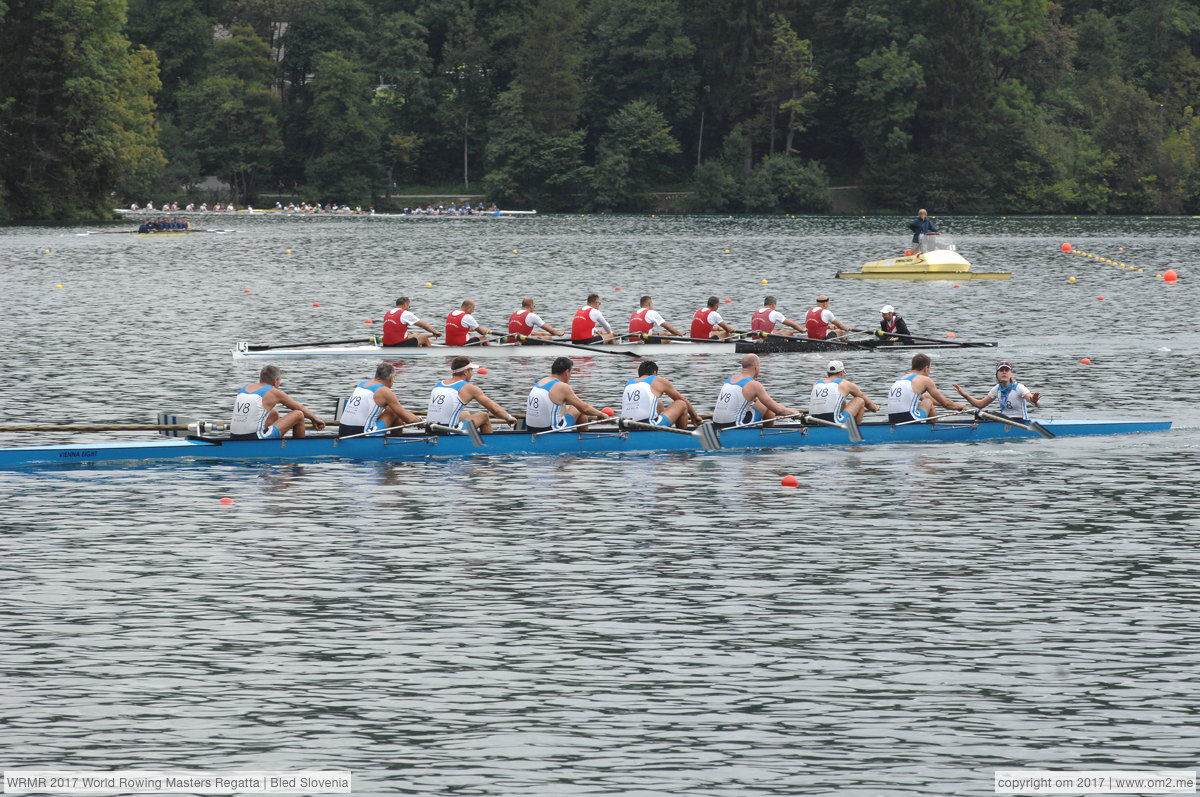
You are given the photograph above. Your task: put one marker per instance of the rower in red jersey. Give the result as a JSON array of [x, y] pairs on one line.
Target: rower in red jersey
[[644, 320], [397, 323], [587, 320], [707, 322], [819, 320], [462, 328], [526, 322], [765, 320]]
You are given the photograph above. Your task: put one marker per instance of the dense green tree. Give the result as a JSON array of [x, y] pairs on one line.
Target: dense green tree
[[550, 66], [345, 128], [231, 118], [464, 87], [632, 156], [180, 33], [531, 169], [76, 107], [780, 184], [784, 79]]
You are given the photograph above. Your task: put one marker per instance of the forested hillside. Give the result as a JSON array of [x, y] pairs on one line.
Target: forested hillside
[[749, 105]]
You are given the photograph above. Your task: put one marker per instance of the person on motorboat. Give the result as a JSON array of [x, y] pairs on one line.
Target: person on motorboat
[[1014, 397], [892, 324], [921, 226]]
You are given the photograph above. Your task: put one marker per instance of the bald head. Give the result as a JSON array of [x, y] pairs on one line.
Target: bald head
[[749, 361]]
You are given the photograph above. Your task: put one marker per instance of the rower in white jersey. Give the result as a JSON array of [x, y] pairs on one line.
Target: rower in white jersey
[[835, 397], [373, 405], [913, 395], [1013, 396], [449, 398], [255, 416], [642, 397], [548, 402], [743, 399]]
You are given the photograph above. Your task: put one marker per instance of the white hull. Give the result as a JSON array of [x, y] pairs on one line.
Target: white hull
[[242, 350]]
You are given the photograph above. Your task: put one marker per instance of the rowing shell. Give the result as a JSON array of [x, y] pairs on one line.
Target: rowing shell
[[778, 345], [583, 442], [244, 351]]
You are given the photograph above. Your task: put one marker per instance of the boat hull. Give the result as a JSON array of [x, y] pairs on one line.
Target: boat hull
[[582, 442], [802, 345], [938, 260], [242, 351], [923, 275]]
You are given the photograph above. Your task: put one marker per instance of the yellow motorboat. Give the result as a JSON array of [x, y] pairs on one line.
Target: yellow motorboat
[[936, 258]]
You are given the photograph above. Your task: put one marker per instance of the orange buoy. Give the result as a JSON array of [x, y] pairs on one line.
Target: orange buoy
[[1170, 275], [247, 290], [369, 321], [607, 411], [226, 500], [789, 481], [1085, 361], [727, 301], [316, 304], [1099, 298], [1066, 247], [617, 288], [949, 334], [482, 370]]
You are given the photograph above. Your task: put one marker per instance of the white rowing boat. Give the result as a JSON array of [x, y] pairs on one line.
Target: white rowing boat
[[247, 351]]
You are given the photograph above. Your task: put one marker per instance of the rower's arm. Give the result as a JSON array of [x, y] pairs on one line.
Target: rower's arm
[[403, 414], [425, 326], [728, 327], [941, 400], [857, 393], [672, 330], [670, 392], [842, 326], [790, 323], [575, 401], [292, 404], [489, 405], [760, 393], [556, 333]]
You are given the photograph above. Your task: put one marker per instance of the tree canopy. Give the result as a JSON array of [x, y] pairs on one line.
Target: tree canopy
[[748, 105]]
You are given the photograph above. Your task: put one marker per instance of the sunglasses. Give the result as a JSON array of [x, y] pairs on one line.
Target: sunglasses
[[1004, 364]]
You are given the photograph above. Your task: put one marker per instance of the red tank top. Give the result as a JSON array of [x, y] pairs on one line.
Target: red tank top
[[583, 327], [456, 333], [817, 328], [638, 322], [888, 326], [393, 331], [761, 321], [700, 326], [517, 324]]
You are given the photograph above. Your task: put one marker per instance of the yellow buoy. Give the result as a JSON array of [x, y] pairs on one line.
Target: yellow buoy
[[428, 284], [287, 251], [764, 282], [514, 251], [1070, 279], [57, 286], [726, 251]]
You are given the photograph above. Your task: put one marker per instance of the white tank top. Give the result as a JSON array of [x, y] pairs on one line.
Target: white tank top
[[249, 414], [638, 402], [541, 411], [1011, 400], [901, 397], [444, 403], [732, 405], [827, 399], [361, 409]]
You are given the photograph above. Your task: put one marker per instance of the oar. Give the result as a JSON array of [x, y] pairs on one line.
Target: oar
[[680, 338], [589, 349], [265, 347], [472, 431], [705, 431], [1033, 426], [573, 427], [374, 432], [935, 418], [113, 427], [850, 427], [966, 344]]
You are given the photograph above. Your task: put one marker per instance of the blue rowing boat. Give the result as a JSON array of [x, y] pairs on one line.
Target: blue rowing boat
[[594, 440]]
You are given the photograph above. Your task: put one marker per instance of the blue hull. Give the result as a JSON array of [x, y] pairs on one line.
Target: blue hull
[[584, 442]]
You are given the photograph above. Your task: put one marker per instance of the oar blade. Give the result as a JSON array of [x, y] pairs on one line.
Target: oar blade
[[1042, 430], [852, 429], [708, 436]]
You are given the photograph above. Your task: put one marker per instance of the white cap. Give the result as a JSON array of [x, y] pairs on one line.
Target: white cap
[[887, 308], [835, 367], [465, 367]]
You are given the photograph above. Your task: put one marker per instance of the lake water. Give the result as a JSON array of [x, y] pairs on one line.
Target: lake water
[[908, 621]]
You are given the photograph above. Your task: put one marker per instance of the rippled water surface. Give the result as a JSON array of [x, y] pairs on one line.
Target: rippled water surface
[[906, 622]]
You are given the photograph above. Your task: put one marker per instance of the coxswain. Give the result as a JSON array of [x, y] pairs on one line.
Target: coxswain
[[892, 324], [743, 399], [818, 320], [587, 319], [526, 322], [835, 396], [396, 324], [450, 397], [913, 395], [462, 328], [373, 405], [552, 400], [1013, 396], [645, 319], [707, 322], [765, 320], [643, 396], [255, 416]]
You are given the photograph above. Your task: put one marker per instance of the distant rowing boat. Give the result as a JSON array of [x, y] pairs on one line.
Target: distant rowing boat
[[487, 214], [591, 441], [775, 345]]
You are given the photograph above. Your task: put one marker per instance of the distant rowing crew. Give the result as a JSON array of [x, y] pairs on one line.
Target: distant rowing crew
[[552, 403], [590, 326]]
